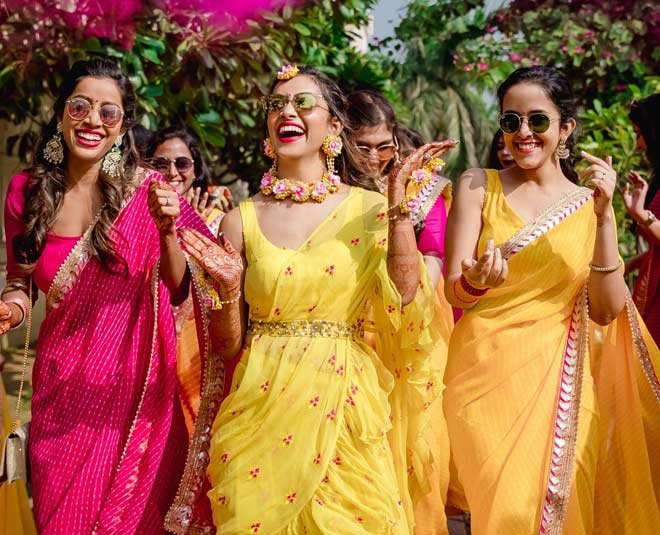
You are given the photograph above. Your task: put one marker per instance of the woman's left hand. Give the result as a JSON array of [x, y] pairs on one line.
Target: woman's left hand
[[603, 179], [164, 207], [220, 260]]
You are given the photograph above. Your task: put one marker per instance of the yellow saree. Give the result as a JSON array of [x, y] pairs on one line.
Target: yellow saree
[[553, 429], [15, 515]]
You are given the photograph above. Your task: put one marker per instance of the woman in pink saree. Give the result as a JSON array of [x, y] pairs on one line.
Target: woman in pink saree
[[108, 440]]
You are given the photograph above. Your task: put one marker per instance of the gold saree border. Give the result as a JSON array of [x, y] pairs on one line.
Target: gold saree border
[[180, 517], [641, 348], [546, 221], [69, 271], [565, 428]]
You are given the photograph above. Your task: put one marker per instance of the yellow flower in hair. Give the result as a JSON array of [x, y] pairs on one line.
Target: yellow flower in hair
[[287, 72]]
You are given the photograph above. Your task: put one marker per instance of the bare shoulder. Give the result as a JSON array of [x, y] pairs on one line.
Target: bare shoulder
[[471, 185], [232, 227]]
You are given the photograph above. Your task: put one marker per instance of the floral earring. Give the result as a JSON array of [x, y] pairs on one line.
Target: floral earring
[[332, 147], [269, 150], [54, 150], [112, 161]]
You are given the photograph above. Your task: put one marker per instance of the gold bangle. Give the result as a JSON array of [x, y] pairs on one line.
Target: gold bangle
[[605, 269]]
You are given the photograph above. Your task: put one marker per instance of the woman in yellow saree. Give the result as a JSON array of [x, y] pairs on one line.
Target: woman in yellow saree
[[554, 425]]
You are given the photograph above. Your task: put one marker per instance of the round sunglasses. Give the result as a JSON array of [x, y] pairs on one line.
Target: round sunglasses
[[538, 123], [162, 164], [301, 101], [79, 108]]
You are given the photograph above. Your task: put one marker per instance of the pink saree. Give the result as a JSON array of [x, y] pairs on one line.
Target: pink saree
[[108, 441], [647, 286]]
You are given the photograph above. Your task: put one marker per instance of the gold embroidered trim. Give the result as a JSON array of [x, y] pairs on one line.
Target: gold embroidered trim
[[311, 328], [547, 220], [641, 348], [438, 189], [180, 517], [68, 273], [564, 436]]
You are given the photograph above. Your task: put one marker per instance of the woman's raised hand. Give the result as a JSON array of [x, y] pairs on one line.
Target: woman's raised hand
[[164, 206], [400, 175], [219, 260], [489, 271], [634, 199], [602, 177]]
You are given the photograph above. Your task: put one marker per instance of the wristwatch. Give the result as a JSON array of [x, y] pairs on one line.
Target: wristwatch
[[650, 219]]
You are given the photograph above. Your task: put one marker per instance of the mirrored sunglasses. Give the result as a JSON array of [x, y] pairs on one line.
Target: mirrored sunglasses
[[79, 108], [301, 101]]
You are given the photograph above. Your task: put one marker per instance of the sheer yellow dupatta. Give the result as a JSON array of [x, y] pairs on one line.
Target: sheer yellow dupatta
[[552, 430]]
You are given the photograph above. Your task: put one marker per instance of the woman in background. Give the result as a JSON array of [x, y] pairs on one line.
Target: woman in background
[[499, 156], [382, 141], [642, 202]]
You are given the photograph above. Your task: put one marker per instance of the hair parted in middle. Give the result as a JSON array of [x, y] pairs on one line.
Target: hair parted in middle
[[346, 162]]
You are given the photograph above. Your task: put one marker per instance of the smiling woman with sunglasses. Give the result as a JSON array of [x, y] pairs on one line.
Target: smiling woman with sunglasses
[[97, 234], [301, 445], [553, 429], [175, 153]]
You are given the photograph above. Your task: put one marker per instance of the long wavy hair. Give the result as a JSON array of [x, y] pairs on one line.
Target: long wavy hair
[[47, 183], [348, 160], [645, 114], [558, 89], [202, 175]]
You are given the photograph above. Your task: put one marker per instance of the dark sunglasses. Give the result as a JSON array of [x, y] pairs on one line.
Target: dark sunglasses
[[162, 165], [538, 123], [79, 108], [383, 152], [301, 101]]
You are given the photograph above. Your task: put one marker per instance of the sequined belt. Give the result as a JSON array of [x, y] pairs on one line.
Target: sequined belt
[[311, 328]]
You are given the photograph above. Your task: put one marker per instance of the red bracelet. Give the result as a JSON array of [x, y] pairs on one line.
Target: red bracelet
[[477, 292], [462, 300]]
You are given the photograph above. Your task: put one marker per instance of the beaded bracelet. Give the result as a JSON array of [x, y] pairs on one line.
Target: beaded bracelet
[[231, 301], [471, 290], [605, 269]]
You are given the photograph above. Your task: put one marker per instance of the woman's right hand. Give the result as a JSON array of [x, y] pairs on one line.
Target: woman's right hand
[[489, 271], [220, 261]]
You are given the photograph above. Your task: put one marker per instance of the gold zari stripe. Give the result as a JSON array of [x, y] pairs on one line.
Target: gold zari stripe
[[311, 328]]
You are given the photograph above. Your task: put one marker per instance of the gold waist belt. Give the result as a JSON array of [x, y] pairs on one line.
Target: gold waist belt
[[312, 328]]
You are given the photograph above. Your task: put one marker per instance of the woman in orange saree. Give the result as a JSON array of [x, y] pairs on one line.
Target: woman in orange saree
[[551, 432]]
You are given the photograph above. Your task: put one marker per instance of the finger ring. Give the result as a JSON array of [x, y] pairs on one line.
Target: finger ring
[[426, 156]]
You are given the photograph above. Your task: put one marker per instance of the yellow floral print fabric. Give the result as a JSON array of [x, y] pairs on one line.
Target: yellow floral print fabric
[[322, 434]]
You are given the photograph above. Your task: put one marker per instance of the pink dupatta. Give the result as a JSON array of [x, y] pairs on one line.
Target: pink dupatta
[[108, 442]]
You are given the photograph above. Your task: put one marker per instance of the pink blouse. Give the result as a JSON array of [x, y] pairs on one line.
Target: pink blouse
[[431, 241], [55, 249]]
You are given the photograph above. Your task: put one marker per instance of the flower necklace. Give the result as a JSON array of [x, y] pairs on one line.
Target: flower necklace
[[296, 190]]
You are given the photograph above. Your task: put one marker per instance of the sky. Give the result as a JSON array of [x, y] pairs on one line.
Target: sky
[[386, 15]]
